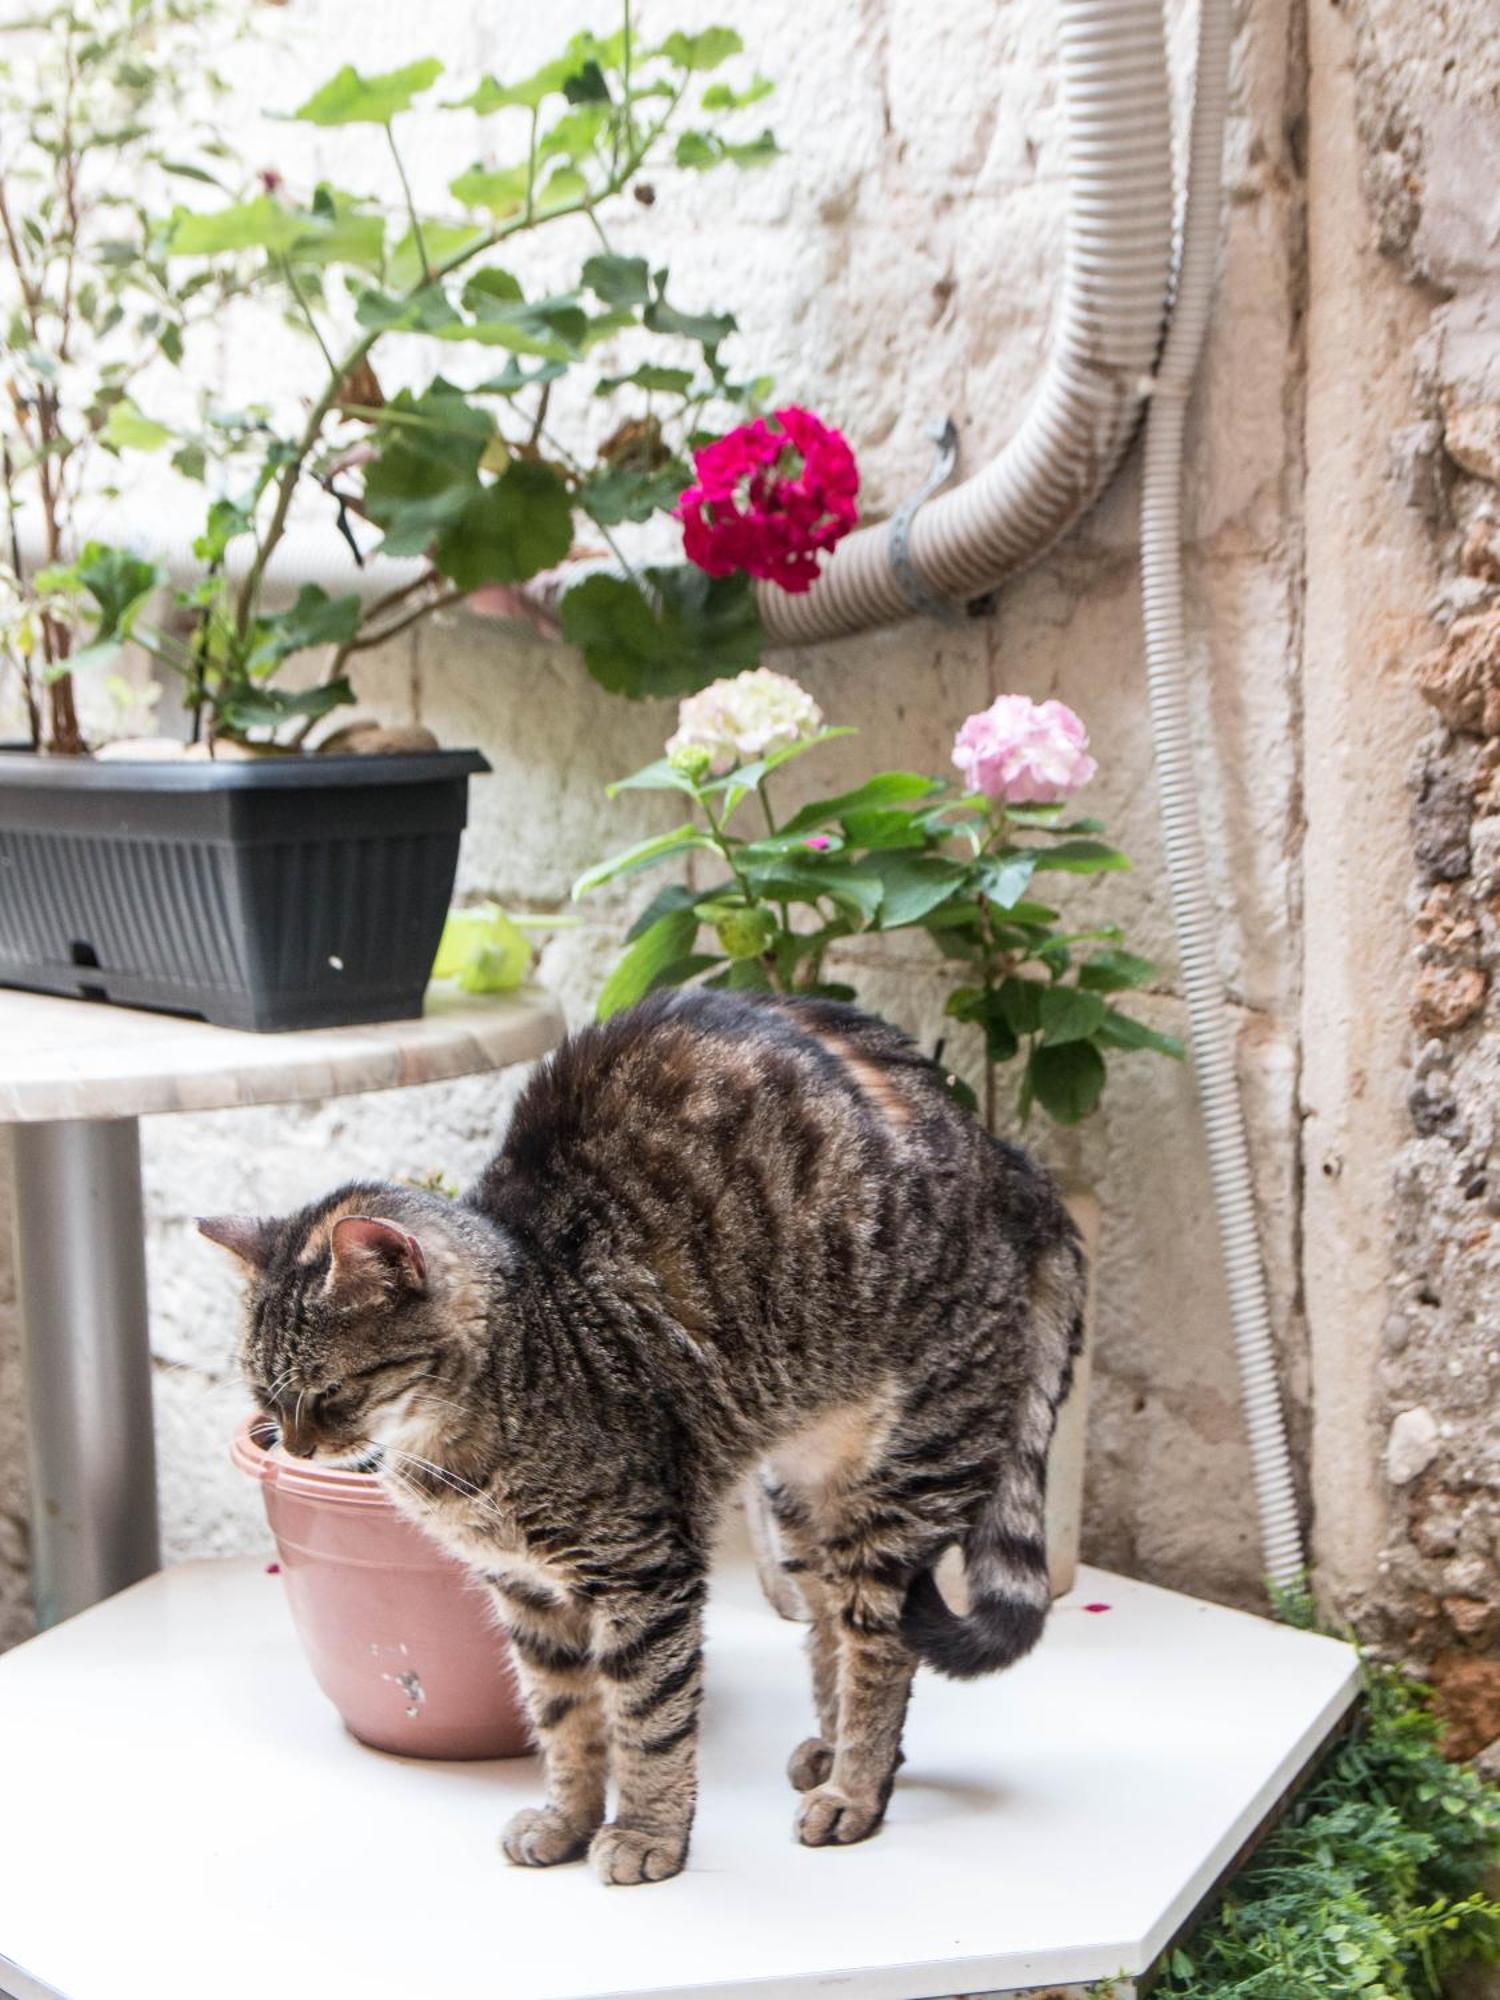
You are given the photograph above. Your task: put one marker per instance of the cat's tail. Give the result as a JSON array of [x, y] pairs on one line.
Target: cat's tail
[[1005, 1552]]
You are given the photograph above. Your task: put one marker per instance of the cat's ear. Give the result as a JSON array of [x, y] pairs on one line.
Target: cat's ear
[[251, 1238], [372, 1255]]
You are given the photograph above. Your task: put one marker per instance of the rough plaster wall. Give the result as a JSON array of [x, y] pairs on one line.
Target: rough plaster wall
[[1429, 99], [900, 263]]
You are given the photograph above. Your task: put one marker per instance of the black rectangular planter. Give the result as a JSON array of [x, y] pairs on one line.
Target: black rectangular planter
[[278, 892]]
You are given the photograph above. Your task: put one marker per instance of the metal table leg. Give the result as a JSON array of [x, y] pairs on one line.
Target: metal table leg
[[81, 1262]]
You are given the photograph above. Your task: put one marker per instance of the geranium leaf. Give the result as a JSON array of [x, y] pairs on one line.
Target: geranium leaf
[[689, 630], [508, 531], [351, 99]]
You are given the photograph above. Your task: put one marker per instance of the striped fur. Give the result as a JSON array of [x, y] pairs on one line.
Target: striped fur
[[722, 1233]]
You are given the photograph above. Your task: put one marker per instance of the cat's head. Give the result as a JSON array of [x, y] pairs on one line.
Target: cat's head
[[365, 1315]]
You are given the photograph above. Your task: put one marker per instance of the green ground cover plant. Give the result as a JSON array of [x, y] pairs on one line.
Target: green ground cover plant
[[1375, 1886]]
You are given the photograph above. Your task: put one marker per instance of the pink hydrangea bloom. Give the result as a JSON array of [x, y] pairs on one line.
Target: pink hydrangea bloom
[[769, 497], [1020, 752]]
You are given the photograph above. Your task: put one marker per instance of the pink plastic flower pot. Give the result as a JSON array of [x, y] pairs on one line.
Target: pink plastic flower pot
[[399, 1637]]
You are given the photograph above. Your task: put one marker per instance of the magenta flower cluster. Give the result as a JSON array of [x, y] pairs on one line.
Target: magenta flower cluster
[[769, 498]]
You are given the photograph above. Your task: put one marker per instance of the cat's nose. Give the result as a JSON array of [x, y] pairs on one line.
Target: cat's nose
[[300, 1443]]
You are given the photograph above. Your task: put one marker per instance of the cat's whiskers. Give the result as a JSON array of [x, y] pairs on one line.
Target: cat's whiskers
[[450, 1479]]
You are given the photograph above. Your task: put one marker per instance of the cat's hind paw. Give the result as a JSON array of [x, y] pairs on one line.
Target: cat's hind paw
[[829, 1817], [810, 1763], [627, 1854], [540, 1837]]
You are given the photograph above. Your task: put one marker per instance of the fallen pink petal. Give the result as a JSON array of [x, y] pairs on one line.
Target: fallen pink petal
[[1098, 1607]]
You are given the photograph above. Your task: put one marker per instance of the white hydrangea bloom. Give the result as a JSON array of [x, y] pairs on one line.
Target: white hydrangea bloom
[[735, 721]]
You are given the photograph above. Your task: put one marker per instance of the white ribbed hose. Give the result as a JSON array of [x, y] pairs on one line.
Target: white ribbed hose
[[1192, 904], [1119, 257]]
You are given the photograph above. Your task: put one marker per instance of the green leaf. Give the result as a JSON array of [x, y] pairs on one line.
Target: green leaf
[[553, 328], [567, 75], [658, 777], [986, 1011], [586, 85], [1067, 1080], [500, 190], [442, 241], [315, 619], [1081, 857], [915, 885], [340, 233], [615, 493], [889, 788], [427, 310], [1111, 971], [128, 430], [699, 152], [883, 827], [619, 281], [513, 378], [705, 50], [261, 224], [689, 630], [671, 896], [118, 582], [708, 329], [1021, 1003], [508, 531], [651, 377], [645, 854], [250, 707], [351, 99], [1119, 1031], [856, 889], [1003, 880], [724, 97], [1067, 1015], [226, 522], [427, 468]]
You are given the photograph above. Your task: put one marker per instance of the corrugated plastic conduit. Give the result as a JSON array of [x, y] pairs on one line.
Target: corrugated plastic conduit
[[1103, 365]]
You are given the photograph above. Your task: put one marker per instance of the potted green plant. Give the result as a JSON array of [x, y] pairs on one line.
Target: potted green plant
[[317, 883], [901, 851]]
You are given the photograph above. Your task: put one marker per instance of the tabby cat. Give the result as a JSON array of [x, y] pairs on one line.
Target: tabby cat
[[723, 1231]]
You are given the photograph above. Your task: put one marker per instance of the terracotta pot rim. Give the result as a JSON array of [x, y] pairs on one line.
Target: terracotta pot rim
[[326, 1484]]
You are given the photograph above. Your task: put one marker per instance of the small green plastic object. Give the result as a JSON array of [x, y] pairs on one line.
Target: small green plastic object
[[482, 951]]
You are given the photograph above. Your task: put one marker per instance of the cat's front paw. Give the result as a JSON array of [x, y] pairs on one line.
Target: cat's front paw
[[622, 1854], [540, 1837], [829, 1817], [810, 1763]]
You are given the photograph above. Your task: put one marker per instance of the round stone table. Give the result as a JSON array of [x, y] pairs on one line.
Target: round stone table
[[74, 1080]]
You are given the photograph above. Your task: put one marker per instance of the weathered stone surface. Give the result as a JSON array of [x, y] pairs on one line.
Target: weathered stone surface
[[1474, 1619], [1442, 809], [1447, 927], [1412, 1445], [1461, 677], [1480, 554], [1471, 434], [1468, 1701], [1446, 997]]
